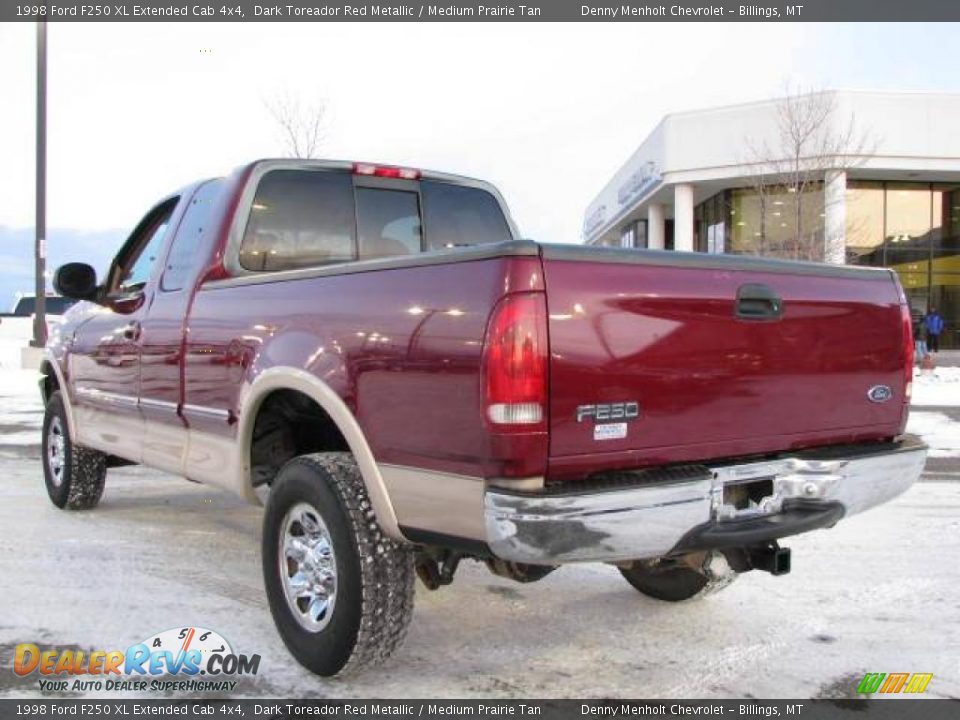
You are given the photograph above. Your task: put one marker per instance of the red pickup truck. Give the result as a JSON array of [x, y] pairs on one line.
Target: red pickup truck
[[373, 351]]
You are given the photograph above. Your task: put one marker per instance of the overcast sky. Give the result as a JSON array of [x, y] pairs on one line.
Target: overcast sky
[[547, 112]]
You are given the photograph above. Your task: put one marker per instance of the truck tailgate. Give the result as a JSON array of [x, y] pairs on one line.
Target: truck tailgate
[[711, 376]]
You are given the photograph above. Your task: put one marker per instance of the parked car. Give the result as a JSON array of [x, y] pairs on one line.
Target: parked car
[[54, 305], [24, 306], [408, 384]]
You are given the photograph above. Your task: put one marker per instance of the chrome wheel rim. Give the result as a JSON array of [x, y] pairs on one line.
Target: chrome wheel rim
[[308, 567], [56, 451]]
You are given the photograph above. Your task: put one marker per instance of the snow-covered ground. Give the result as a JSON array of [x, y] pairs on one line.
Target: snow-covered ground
[[21, 413], [939, 431], [938, 387], [873, 594], [15, 334]]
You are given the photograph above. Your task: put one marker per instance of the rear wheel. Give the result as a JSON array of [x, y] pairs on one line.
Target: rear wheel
[[340, 591], [74, 475], [677, 579]]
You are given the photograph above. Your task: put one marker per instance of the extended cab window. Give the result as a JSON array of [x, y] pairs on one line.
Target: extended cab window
[[190, 235], [458, 216], [299, 219]]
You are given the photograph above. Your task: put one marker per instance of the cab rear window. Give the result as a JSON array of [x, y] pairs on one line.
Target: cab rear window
[[458, 216], [308, 218], [388, 223]]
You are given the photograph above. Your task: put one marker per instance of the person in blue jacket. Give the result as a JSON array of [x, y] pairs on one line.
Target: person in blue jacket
[[933, 324]]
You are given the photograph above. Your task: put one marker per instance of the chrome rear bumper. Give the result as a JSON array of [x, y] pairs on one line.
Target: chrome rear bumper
[[812, 489]]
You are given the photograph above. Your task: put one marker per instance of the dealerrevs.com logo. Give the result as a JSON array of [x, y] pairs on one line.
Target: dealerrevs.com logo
[[181, 659]]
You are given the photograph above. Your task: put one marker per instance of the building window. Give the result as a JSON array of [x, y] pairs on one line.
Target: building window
[[711, 223], [633, 235], [777, 222], [914, 229], [864, 230], [717, 229], [699, 230], [641, 239], [908, 213]]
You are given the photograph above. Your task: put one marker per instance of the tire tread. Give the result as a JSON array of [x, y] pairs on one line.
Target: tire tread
[[85, 473], [88, 469], [387, 569]]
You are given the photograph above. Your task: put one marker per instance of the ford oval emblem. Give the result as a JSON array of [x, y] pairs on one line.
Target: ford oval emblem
[[879, 393]]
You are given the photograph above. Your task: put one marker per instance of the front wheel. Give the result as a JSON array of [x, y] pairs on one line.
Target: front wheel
[[340, 591], [74, 475]]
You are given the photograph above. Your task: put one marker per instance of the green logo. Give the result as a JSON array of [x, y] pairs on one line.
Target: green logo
[[894, 683]]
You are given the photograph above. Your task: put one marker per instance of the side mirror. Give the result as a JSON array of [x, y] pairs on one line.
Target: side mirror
[[77, 281]]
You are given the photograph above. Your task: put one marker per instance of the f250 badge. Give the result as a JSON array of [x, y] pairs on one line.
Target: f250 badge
[[602, 413]]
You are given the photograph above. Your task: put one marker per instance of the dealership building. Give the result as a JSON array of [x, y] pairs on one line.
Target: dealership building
[[722, 180]]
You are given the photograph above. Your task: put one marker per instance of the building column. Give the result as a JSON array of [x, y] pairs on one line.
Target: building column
[[656, 230], [835, 217], [683, 217]]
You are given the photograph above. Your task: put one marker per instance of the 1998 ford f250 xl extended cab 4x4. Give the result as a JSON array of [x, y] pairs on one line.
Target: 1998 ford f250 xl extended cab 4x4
[[414, 386]]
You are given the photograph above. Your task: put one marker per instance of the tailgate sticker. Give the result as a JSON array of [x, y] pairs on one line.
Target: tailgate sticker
[[610, 431]]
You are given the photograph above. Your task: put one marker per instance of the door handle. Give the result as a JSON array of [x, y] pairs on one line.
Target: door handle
[[132, 331], [756, 301]]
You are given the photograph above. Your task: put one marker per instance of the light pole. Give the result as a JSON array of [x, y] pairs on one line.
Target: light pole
[[40, 243]]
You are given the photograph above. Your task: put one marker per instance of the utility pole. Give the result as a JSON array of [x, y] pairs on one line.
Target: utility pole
[[40, 244]]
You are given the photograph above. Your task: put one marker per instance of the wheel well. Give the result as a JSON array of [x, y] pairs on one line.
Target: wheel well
[[49, 384], [288, 424]]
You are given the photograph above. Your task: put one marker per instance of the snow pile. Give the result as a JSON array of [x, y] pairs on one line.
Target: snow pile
[[941, 386], [938, 431], [21, 409], [15, 334]]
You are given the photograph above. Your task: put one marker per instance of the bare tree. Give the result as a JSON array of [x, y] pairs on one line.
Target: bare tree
[[301, 123], [811, 143]]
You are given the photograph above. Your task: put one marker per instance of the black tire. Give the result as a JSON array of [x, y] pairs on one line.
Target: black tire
[[77, 483], [374, 581], [669, 581]]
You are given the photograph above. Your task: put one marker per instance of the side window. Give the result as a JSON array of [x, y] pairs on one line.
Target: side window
[[458, 216], [140, 254], [138, 274], [181, 259], [388, 223], [299, 218]]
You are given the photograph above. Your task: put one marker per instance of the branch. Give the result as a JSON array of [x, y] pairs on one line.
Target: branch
[[301, 126]]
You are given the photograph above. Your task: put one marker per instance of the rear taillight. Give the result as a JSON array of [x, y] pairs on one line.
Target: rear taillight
[[515, 364], [386, 171], [906, 336], [907, 326]]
